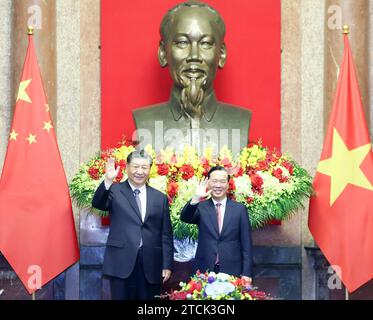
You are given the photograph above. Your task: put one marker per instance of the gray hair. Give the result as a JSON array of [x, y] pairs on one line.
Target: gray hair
[[168, 19], [139, 154]]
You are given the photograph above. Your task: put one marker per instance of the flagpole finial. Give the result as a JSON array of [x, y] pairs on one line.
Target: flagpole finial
[[346, 29], [30, 30]]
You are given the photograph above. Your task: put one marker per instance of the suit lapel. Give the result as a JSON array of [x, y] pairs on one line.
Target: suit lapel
[[127, 192], [227, 214], [149, 202], [213, 216]]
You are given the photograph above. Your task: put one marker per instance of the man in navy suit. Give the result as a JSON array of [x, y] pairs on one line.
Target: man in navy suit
[[139, 249], [224, 240]]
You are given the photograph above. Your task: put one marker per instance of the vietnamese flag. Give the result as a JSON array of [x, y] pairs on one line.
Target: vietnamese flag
[[37, 232], [341, 212]]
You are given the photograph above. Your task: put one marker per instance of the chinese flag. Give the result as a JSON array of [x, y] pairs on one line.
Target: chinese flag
[[37, 232], [341, 212]]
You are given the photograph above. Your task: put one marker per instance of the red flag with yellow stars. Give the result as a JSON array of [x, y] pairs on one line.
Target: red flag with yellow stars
[[37, 231], [341, 212]]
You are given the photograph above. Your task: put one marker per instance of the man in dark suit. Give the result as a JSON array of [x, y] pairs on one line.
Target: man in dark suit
[[224, 241], [139, 249]]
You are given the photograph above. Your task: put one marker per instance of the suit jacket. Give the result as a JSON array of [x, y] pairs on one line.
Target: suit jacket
[[233, 244], [127, 228]]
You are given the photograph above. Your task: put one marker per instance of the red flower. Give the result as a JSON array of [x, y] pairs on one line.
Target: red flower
[[226, 163], [94, 173], [172, 189], [163, 169], [232, 197], [187, 171], [119, 176], [232, 186], [259, 295], [192, 286], [288, 166], [106, 154], [122, 164], [253, 143], [237, 282], [262, 165], [206, 166], [273, 156], [249, 199], [256, 183], [198, 286], [238, 172], [178, 295], [279, 175]]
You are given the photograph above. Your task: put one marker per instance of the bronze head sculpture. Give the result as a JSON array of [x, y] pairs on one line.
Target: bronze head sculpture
[[192, 46]]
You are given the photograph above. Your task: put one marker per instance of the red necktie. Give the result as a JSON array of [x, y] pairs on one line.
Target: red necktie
[[218, 213]]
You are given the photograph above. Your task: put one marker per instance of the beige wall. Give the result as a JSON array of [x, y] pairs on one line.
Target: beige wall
[[5, 22]]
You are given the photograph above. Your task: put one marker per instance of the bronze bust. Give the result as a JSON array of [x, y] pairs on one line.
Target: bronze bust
[[192, 45]]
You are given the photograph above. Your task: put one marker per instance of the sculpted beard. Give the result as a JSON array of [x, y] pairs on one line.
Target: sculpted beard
[[192, 96]]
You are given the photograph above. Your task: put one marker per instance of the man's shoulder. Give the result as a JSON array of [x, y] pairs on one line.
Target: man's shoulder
[[237, 205], [234, 110], [156, 192], [118, 186]]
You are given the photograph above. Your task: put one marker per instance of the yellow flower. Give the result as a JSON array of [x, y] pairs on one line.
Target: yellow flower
[[150, 151], [153, 171], [225, 153], [167, 154], [208, 153], [122, 152]]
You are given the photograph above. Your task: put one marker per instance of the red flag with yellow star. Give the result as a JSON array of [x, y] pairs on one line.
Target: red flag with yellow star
[[37, 231], [341, 212]]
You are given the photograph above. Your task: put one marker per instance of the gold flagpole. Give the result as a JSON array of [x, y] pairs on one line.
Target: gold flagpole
[[30, 30], [346, 30]]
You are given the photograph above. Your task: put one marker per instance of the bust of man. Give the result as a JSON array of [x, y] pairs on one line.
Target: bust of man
[[192, 46]]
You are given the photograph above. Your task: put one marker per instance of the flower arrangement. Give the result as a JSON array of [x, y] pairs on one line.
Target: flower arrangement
[[216, 286], [270, 184]]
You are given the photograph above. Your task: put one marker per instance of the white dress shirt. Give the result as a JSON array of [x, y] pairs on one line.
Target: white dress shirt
[[142, 196], [222, 209]]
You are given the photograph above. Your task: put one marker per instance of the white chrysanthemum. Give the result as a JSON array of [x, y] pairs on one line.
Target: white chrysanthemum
[[188, 185], [221, 276], [272, 187], [219, 288], [243, 184], [268, 179], [159, 183]]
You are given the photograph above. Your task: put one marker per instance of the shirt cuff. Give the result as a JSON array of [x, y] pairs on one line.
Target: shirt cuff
[[107, 184]]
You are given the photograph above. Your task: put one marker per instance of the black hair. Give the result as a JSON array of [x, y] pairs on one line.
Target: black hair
[[139, 154], [218, 168]]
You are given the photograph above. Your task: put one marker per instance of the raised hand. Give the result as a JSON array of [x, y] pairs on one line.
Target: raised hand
[[201, 192], [110, 171]]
